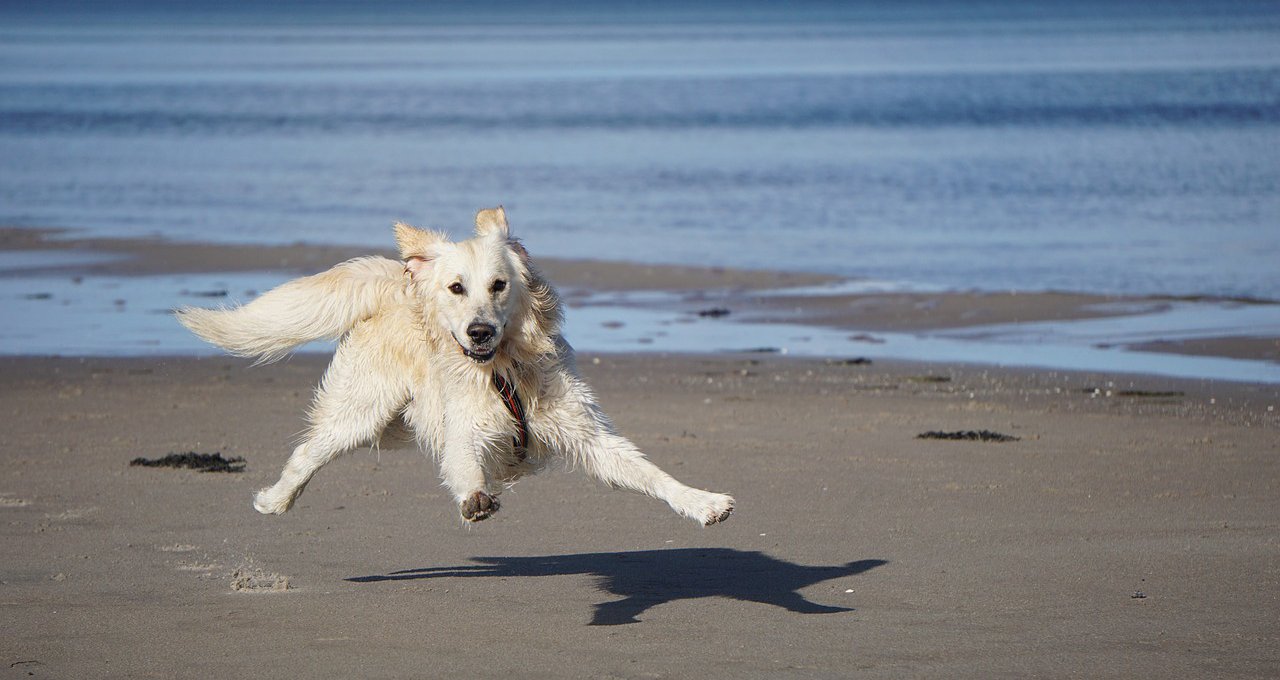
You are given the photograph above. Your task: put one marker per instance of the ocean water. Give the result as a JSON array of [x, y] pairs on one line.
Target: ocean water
[[1102, 147]]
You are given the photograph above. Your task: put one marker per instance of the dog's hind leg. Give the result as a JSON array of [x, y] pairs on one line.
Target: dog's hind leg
[[579, 429], [617, 462], [354, 402]]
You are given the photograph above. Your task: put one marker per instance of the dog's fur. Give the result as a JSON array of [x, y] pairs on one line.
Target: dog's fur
[[421, 340]]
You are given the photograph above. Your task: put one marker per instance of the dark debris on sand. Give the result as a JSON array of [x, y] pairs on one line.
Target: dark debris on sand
[[855, 361], [929, 378], [968, 435], [1141, 394], [204, 462]]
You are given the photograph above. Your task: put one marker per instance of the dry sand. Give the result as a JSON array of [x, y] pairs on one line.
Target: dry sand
[[1122, 536]]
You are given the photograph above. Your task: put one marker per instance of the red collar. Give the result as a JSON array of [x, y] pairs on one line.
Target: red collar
[[511, 399]]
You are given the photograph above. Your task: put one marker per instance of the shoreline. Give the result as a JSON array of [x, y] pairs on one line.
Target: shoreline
[[156, 255], [152, 256], [626, 307]]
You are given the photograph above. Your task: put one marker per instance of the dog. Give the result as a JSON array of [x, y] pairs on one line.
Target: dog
[[461, 341]]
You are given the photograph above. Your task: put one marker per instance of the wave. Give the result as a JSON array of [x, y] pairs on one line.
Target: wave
[[1219, 98]]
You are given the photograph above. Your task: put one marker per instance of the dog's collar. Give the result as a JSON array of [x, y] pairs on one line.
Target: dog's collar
[[511, 399]]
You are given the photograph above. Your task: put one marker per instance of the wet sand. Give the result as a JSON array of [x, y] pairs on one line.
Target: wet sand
[[1267, 349], [1132, 530], [141, 257]]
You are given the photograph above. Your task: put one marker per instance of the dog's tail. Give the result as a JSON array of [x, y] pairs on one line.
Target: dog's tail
[[323, 306]]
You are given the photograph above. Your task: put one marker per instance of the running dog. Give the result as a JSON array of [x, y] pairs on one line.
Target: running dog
[[462, 342]]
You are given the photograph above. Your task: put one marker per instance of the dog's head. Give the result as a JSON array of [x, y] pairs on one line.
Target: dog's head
[[480, 293]]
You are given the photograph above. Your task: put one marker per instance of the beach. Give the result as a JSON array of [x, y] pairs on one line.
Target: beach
[[1130, 529], [973, 309], [1119, 536]]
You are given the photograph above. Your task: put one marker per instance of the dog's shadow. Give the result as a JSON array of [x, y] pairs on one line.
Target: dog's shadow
[[648, 578]]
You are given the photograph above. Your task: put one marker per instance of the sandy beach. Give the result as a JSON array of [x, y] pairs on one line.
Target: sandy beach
[[1129, 529], [972, 307]]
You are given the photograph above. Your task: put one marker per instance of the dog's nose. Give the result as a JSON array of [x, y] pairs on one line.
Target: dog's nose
[[480, 333]]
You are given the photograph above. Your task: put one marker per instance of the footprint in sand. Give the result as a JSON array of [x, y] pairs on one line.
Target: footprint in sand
[[250, 580], [72, 515], [247, 578]]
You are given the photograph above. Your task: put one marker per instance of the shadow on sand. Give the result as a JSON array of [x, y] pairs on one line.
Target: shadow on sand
[[649, 578]]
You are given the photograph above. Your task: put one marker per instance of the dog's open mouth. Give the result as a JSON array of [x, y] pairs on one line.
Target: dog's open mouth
[[480, 356]]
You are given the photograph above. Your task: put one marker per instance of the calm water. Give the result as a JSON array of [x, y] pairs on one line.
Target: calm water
[[1108, 147]]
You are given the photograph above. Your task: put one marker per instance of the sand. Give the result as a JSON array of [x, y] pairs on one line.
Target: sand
[[1132, 529], [147, 256], [1121, 536]]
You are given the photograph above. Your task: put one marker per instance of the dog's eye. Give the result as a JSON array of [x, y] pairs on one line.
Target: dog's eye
[[457, 288], [499, 286]]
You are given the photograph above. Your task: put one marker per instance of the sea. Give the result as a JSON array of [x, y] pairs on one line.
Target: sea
[[1121, 148], [1107, 147]]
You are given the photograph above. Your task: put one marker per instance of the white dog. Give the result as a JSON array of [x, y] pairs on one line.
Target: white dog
[[461, 340]]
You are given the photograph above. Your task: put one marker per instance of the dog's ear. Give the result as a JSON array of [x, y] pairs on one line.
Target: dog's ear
[[518, 248], [414, 265], [493, 221], [417, 246]]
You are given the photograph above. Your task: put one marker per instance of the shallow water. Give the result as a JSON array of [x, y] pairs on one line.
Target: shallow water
[[131, 316], [1103, 147], [114, 316]]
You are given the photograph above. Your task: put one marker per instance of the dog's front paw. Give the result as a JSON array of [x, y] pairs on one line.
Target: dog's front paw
[[478, 506], [270, 502], [718, 510]]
